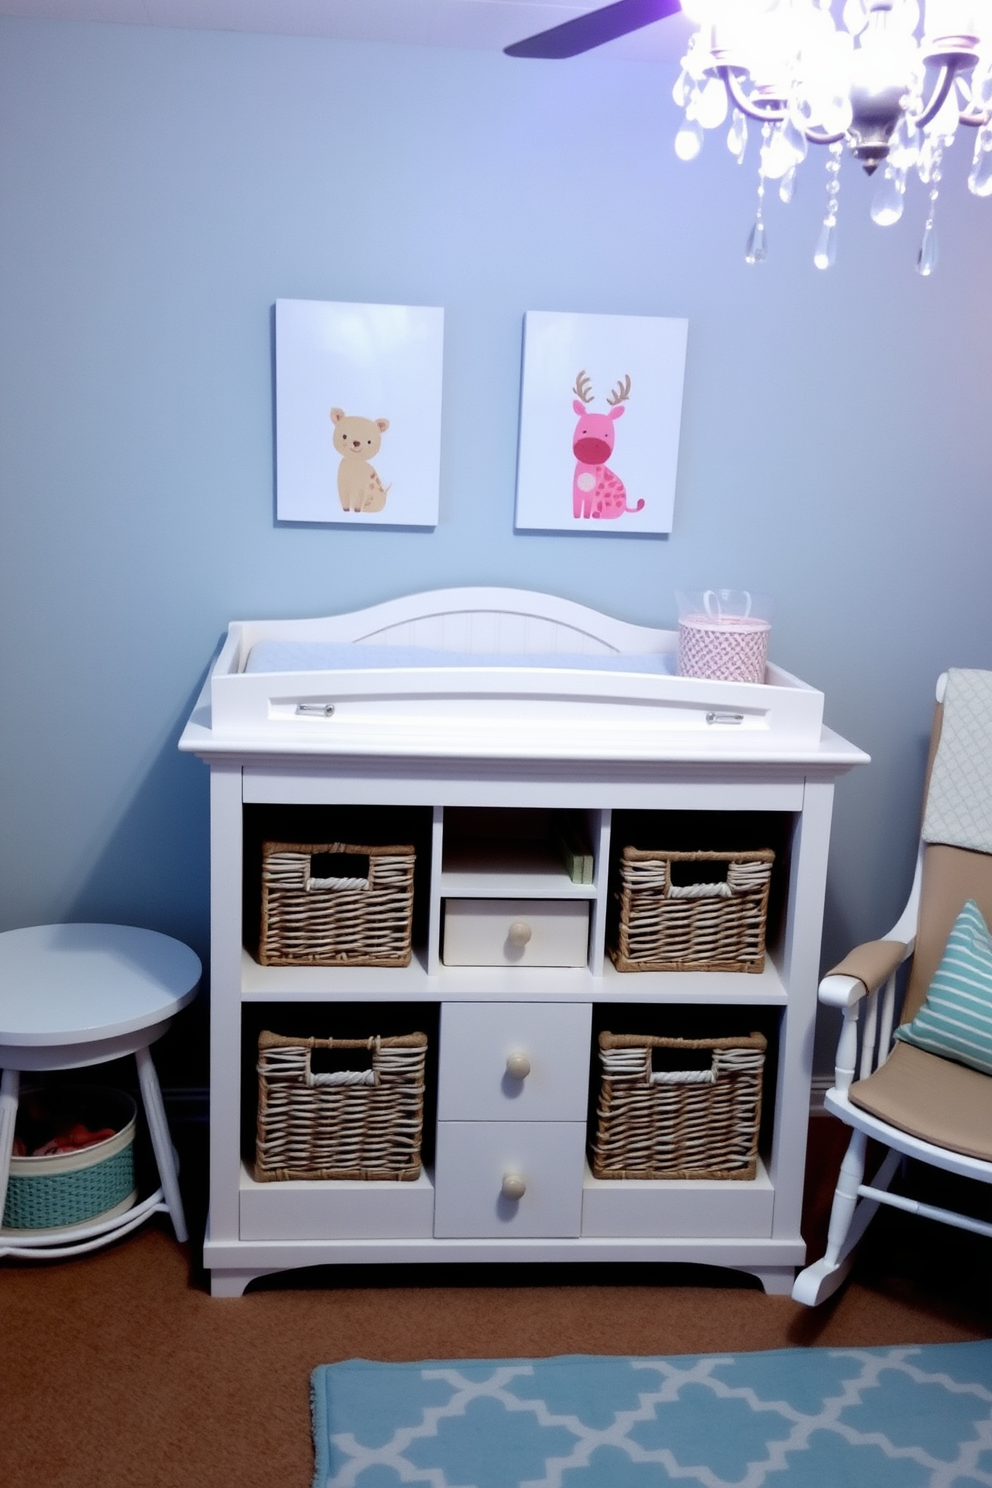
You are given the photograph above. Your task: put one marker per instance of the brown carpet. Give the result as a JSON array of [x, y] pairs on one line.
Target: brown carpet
[[119, 1371]]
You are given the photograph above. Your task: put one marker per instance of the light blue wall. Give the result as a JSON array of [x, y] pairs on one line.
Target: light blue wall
[[159, 190]]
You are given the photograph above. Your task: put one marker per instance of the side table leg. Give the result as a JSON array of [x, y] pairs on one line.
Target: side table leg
[[158, 1130], [10, 1084]]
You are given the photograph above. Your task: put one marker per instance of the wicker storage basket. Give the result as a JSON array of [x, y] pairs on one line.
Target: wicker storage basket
[[362, 917], [678, 1123], [65, 1189], [349, 1124], [716, 926]]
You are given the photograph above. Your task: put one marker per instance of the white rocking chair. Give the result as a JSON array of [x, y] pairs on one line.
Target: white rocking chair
[[916, 1104]]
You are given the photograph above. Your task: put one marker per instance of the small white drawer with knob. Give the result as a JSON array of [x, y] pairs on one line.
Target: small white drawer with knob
[[508, 1179], [514, 1061], [516, 932]]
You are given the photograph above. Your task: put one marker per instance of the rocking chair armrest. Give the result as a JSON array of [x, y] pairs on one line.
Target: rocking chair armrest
[[864, 970], [858, 976], [841, 991]]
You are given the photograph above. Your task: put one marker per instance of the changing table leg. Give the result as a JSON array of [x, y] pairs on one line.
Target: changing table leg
[[158, 1130], [10, 1083], [776, 1280]]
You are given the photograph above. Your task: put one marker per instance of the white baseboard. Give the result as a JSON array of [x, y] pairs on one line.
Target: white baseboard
[[819, 1085]]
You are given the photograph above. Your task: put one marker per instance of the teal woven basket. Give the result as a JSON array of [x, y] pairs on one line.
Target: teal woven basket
[[68, 1189]]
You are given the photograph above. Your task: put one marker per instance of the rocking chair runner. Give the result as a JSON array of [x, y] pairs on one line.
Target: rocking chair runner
[[915, 1103]]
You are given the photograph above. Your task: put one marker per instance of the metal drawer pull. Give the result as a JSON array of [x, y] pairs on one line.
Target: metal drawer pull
[[518, 1066], [519, 933], [315, 710], [725, 718], [513, 1186]]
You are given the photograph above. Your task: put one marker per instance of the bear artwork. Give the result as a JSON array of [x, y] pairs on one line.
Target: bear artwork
[[357, 440]]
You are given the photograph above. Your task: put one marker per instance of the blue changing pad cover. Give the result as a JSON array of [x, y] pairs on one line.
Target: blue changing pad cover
[[323, 656]]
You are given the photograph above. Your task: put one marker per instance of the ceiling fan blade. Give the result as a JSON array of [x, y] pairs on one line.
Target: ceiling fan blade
[[583, 33]]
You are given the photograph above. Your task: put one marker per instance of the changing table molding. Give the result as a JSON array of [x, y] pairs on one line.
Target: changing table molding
[[517, 710], [520, 742]]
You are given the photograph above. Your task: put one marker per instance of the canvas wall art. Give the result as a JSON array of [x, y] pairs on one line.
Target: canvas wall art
[[358, 413], [601, 407]]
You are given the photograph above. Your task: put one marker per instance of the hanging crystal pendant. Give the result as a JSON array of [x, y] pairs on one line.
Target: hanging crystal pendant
[[689, 140], [787, 186], [756, 249], [826, 248], [757, 243], [980, 175], [825, 255], [889, 198], [929, 153], [926, 259], [737, 136], [796, 140]]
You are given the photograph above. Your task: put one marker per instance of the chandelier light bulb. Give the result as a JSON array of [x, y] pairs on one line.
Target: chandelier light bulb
[[863, 83], [711, 104], [904, 16], [778, 156], [855, 17]]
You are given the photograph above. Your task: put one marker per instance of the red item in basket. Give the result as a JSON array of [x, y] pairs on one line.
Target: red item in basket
[[72, 1139]]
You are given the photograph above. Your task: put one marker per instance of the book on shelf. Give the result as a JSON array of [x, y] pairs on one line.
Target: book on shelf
[[575, 855]]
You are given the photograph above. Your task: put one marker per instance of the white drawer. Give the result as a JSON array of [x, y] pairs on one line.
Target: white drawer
[[514, 1061], [516, 932], [482, 1164]]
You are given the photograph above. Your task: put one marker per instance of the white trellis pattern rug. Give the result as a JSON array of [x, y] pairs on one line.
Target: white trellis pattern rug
[[915, 1417]]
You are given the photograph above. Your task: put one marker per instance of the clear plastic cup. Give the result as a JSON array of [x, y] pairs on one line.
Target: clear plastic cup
[[723, 634]]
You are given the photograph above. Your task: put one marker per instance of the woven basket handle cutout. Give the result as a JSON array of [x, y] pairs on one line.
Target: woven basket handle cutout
[[725, 1062], [683, 1077], [700, 891], [691, 887], [325, 871], [341, 1077]]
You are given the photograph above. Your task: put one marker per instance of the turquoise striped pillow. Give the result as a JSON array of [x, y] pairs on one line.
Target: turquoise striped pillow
[[956, 1018]]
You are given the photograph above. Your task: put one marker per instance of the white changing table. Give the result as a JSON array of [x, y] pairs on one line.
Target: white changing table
[[477, 757]]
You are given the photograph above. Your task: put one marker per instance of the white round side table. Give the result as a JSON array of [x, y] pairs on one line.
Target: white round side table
[[76, 995]]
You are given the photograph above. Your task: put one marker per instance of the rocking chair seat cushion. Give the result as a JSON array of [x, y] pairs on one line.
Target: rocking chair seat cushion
[[935, 1099]]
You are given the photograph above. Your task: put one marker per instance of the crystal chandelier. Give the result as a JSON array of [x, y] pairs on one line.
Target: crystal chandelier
[[868, 85]]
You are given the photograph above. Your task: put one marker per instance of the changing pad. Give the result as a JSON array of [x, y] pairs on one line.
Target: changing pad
[[319, 656]]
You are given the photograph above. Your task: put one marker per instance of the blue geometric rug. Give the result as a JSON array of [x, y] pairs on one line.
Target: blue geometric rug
[[789, 1418]]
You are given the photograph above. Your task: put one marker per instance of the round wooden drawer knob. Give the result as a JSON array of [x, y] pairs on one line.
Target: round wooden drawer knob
[[513, 1186], [518, 1066], [519, 933]]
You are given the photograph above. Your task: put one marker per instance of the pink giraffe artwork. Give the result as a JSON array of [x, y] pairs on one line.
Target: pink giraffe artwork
[[597, 491]]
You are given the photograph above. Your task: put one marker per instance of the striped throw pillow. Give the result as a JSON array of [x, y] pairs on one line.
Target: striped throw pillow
[[956, 1018]]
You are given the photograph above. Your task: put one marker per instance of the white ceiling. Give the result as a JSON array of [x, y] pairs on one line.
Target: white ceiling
[[487, 24]]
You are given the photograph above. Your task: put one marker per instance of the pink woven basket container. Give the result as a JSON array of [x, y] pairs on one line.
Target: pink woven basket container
[[723, 635]]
